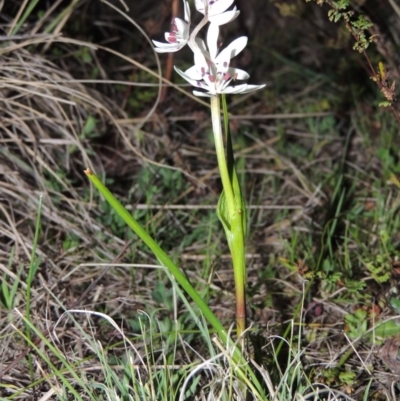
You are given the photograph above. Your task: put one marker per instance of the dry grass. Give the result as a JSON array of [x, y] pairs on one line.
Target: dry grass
[[43, 153]]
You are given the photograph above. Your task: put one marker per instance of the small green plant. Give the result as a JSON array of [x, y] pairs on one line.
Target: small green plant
[[369, 327], [380, 268], [357, 323], [71, 241], [347, 377], [89, 129]]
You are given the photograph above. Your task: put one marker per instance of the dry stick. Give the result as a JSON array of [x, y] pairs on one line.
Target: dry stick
[[37, 341], [170, 59]]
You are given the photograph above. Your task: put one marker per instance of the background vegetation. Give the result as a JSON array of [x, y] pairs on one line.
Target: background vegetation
[[318, 159]]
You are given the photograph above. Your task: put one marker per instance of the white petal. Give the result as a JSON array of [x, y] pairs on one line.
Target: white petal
[[235, 89], [202, 85], [179, 40], [166, 47], [201, 44], [194, 73], [218, 6], [251, 88], [163, 44], [224, 18], [237, 73], [203, 94], [182, 27], [232, 50], [165, 50], [186, 77], [242, 88], [223, 66], [212, 40], [187, 11], [200, 62], [158, 50], [200, 6], [194, 82]]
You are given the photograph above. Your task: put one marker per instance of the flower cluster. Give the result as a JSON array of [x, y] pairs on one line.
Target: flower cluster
[[211, 70]]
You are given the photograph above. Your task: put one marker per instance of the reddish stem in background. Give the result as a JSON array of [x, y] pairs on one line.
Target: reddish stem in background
[[170, 60]]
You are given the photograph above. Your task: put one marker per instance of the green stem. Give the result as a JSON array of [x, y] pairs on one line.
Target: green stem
[[244, 370], [234, 219], [238, 227], [164, 259], [239, 270], [220, 151]]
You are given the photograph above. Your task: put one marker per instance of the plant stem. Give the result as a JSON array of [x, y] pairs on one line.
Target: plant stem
[[234, 219], [244, 370], [220, 151], [239, 270], [163, 258]]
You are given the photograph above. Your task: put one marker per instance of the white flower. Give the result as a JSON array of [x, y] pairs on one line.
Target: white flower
[[212, 72], [216, 10], [179, 34]]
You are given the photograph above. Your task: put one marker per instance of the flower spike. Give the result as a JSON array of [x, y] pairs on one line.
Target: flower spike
[[212, 71]]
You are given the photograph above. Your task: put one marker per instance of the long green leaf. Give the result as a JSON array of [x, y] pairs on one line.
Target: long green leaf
[[165, 261], [163, 258], [25, 15]]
